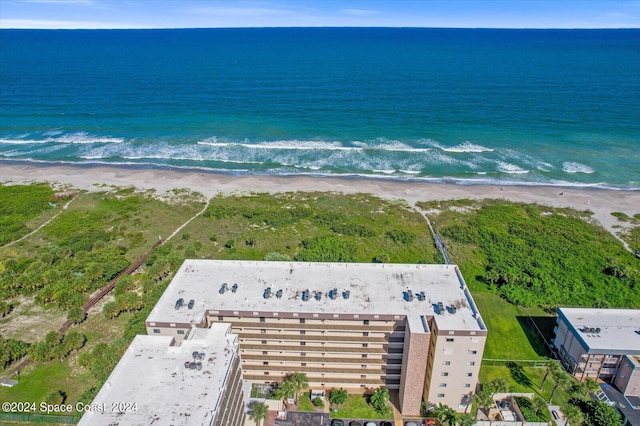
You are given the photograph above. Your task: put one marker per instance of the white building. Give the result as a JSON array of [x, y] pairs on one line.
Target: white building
[[158, 382]]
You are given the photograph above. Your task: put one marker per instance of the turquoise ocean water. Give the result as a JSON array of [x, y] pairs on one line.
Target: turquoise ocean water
[[558, 107]]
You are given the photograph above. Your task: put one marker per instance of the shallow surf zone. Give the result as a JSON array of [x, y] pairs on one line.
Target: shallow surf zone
[[423, 159]]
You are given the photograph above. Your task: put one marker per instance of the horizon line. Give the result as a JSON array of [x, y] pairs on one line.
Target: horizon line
[[318, 27]]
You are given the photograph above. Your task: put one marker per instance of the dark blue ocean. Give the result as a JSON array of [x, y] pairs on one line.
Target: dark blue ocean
[[558, 107]]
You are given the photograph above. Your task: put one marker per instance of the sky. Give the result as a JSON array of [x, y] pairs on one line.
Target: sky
[[99, 14]]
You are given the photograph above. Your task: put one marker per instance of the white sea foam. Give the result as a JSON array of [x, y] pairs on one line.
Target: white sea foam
[[573, 167], [70, 138], [300, 145], [386, 172], [510, 168], [466, 147]]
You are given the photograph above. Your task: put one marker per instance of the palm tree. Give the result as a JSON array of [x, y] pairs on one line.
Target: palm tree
[[445, 414], [572, 413], [591, 385], [380, 398], [484, 400], [553, 368], [499, 385], [259, 411], [284, 390], [300, 382], [466, 420], [562, 379], [539, 404]]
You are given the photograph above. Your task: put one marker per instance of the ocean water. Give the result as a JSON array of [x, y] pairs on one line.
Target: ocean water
[[555, 107]]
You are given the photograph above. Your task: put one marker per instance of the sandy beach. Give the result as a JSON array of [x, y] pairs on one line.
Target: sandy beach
[[601, 202]]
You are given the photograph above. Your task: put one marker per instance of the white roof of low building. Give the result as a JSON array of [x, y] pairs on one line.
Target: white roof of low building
[[151, 385], [605, 331], [373, 289]]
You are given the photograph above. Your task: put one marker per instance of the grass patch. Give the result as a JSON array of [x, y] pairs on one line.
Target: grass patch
[[20, 204], [39, 380], [510, 335], [356, 407], [305, 404], [528, 382]]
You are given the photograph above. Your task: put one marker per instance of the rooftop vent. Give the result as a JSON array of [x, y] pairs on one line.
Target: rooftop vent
[[408, 296], [191, 303], [179, 303], [223, 288], [421, 296], [318, 295], [453, 309], [279, 294], [333, 294], [267, 293], [305, 295], [440, 308], [234, 288], [346, 294]]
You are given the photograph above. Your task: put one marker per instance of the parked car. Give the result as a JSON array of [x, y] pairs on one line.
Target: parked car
[[355, 423], [430, 422], [337, 422], [386, 424], [370, 424]]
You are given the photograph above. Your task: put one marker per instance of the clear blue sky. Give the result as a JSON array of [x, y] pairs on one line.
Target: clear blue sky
[[312, 13]]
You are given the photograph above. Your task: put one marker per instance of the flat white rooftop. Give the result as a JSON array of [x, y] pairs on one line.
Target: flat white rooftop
[[619, 329], [151, 385], [372, 289]]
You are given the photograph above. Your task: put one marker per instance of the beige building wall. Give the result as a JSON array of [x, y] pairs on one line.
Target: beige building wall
[[454, 367]]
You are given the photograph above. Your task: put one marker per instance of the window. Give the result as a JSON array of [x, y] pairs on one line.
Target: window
[[469, 374], [472, 363], [301, 320], [364, 355], [180, 331], [265, 363], [363, 376], [473, 352], [264, 352], [261, 319], [220, 318], [440, 395], [443, 385], [266, 373], [156, 330], [445, 373], [365, 322], [303, 354], [364, 366], [303, 343], [365, 333], [450, 339], [365, 345], [264, 342], [303, 332], [467, 385], [446, 363]]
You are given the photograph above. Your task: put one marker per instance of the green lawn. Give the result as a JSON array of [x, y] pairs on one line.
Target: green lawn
[[305, 404], [528, 382], [509, 335], [356, 407], [39, 380]]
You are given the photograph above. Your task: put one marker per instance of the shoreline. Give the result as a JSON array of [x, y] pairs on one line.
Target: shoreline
[[602, 202], [452, 180]]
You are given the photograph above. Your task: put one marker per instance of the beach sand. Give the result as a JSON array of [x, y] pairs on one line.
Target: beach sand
[[601, 202]]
